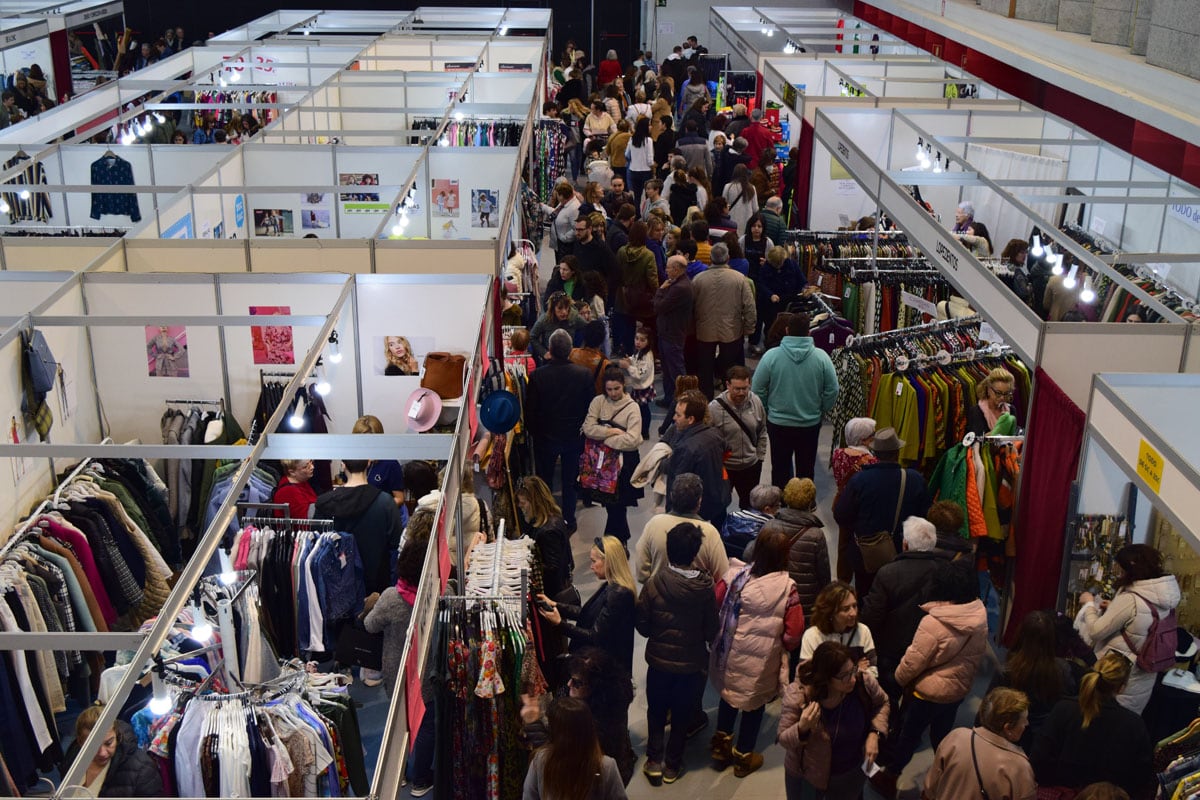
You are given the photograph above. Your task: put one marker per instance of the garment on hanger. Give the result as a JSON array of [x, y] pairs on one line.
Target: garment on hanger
[[35, 208], [112, 170]]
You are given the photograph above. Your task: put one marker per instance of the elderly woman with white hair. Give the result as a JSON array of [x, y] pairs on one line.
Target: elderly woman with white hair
[[846, 463], [964, 216]]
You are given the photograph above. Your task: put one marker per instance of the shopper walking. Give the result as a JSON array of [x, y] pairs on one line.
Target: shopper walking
[[697, 448], [572, 765], [798, 386], [724, 313], [761, 617], [556, 402], [560, 315], [835, 619], [673, 304], [651, 554], [742, 198], [833, 720], [635, 290], [1031, 667], [845, 464], [808, 553], [614, 420], [677, 614], [639, 155], [738, 414]]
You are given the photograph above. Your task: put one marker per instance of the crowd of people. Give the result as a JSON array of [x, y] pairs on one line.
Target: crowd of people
[[27, 96], [668, 227]]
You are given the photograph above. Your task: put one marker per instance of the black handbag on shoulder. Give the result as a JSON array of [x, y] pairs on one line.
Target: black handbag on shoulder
[[357, 648]]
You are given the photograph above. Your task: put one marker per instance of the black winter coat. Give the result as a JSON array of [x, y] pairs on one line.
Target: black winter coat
[[678, 617], [1116, 747], [892, 609], [808, 558], [554, 547], [371, 517], [131, 772], [604, 621], [699, 449], [557, 401]]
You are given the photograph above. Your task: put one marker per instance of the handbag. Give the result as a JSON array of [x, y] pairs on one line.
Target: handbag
[[43, 368], [443, 373], [599, 467], [356, 647], [879, 548]]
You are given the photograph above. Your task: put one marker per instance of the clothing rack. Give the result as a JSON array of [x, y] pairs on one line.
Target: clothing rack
[[49, 502], [290, 522], [930, 327], [220, 403]]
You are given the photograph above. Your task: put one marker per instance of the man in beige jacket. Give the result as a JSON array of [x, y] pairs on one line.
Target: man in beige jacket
[[651, 554], [723, 307]]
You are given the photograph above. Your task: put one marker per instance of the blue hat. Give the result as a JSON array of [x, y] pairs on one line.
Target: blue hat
[[501, 410]]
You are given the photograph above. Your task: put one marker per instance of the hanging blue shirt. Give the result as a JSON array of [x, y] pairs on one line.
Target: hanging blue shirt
[[113, 171]]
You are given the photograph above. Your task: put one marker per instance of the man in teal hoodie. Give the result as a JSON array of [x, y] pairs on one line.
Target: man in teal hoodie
[[798, 385]]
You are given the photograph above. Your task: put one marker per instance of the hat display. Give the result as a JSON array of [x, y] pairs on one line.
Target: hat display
[[422, 409], [500, 412], [886, 441]]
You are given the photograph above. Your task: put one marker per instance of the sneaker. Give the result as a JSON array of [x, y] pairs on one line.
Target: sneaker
[[420, 791], [370, 677], [654, 772], [671, 775]]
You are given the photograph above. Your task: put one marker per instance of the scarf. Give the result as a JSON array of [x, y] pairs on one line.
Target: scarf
[[731, 610], [407, 592]]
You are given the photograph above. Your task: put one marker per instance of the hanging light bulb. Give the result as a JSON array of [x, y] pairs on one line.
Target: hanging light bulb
[[296, 420], [920, 148], [160, 703], [1036, 251], [925, 162], [335, 354], [25, 194], [458, 116], [1088, 295], [227, 578], [234, 76], [147, 124], [4, 207], [1070, 281], [1057, 269], [937, 164], [202, 629], [223, 82], [159, 118], [504, 30], [323, 387]]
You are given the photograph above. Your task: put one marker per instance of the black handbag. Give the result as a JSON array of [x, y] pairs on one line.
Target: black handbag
[[356, 647]]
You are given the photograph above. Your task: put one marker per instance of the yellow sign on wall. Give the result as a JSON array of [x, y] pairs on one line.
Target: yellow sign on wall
[[1150, 466]]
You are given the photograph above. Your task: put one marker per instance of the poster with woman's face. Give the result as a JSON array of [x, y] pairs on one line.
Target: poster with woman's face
[[166, 351], [401, 355], [444, 196]]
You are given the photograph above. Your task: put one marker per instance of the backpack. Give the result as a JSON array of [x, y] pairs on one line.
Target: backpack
[[1158, 651]]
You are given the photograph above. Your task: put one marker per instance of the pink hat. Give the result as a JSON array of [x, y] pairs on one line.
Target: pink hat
[[422, 409]]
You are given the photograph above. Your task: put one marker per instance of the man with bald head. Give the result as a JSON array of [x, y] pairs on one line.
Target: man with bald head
[[673, 312]]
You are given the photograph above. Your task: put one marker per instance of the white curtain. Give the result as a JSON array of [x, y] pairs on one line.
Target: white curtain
[[1004, 220]]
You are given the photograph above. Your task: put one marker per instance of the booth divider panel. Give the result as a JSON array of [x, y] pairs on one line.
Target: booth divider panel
[[36, 254], [416, 258], [1072, 352], [163, 255], [330, 255]]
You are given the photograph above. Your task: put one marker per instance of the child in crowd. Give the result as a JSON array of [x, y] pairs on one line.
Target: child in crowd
[[641, 376], [518, 343]]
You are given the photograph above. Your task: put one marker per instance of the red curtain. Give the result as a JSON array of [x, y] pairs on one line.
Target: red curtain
[[1051, 461]]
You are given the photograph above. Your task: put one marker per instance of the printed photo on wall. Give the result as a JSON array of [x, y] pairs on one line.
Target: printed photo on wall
[[272, 344], [273, 222], [484, 213], [166, 351], [361, 202], [314, 218], [398, 353], [444, 195]]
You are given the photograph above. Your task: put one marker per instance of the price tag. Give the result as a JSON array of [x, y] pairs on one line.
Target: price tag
[[988, 334], [415, 409], [919, 303], [901, 384]]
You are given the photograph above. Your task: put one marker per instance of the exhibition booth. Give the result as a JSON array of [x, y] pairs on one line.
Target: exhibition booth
[[118, 385]]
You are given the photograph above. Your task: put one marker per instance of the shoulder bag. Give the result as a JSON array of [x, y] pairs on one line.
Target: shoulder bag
[[741, 423], [880, 548], [978, 776], [600, 465]]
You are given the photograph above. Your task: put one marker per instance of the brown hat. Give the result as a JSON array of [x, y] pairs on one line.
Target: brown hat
[[886, 441]]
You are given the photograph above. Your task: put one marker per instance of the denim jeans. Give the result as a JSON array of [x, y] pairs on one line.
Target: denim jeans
[[420, 764], [680, 696]]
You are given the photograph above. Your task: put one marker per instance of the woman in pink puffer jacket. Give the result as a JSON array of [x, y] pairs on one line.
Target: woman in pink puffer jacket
[[939, 666]]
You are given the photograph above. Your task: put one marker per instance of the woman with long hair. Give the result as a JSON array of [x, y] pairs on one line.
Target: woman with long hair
[[698, 112], [571, 765], [760, 618], [639, 158], [606, 619], [985, 761], [756, 243], [1031, 667], [699, 177], [833, 718], [560, 313], [1094, 738], [716, 214], [1124, 623], [742, 198], [399, 355], [542, 521]]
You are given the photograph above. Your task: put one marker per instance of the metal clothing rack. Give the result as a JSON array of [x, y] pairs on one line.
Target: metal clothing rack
[[49, 502], [928, 327], [220, 403]]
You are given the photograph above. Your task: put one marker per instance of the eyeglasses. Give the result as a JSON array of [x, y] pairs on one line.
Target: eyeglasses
[[1003, 395], [847, 674]]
